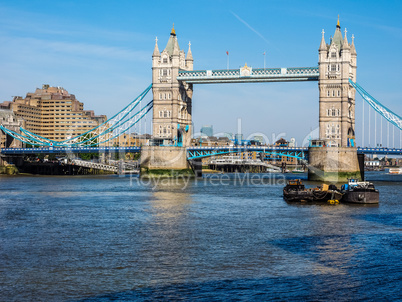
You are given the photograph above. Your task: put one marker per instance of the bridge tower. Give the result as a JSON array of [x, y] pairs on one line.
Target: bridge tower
[[337, 160], [172, 122], [337, 63]]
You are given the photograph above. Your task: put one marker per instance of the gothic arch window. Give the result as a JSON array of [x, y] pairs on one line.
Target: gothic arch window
[[339, 93], [327, 92], [339, 112], [333, 92]]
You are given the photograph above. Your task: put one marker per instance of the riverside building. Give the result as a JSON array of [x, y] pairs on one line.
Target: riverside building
[[54, 113], [9, 120]]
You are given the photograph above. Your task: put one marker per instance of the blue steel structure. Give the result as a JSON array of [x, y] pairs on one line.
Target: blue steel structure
[[66, 150], [92, 140], [120, 123], [249, 75], [196, 152], [201, 152], [390, 116]]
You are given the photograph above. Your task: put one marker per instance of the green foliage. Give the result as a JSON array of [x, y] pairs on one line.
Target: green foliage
[[88, 156]]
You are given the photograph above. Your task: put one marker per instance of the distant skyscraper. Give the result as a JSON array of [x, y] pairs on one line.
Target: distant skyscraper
[[207, 130], [239, 138]]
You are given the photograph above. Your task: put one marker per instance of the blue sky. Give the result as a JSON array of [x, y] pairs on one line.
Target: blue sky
[[101, 52]]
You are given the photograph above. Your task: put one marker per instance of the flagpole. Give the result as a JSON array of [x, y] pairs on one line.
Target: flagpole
[[227, 61], [264, 59]]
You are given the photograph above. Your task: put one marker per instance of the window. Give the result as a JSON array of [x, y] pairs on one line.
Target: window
[[333, 92], [165, 60], [164, 72], [333, 54], [339, 93], [328, 93], [333, 67]]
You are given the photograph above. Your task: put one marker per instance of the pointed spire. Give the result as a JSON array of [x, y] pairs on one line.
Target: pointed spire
[[176, 48], [172, 44], [323, 45], [345, 41], [173, 32], [352, 45], [189, 54], [337, 39], [156, 49]]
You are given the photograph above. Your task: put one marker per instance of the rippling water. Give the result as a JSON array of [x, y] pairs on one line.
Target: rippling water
[[113, 238]]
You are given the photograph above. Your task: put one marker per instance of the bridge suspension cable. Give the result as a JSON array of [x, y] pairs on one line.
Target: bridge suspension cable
[[390, 116], [120, 123]]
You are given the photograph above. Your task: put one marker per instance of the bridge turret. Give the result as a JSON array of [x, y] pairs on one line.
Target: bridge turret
[[189, 59], [172, 98], [337, 63], [353, 59]]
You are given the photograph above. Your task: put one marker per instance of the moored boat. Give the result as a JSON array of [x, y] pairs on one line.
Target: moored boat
[[362, 192], [296, 191], [395, 171]]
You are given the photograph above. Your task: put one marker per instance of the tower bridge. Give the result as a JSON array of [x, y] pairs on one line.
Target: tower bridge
[[173, 80]]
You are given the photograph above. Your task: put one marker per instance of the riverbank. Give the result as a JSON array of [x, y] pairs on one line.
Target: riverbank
[[49, 168]]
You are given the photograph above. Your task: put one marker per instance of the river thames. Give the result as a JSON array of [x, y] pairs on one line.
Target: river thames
[[223, 237]]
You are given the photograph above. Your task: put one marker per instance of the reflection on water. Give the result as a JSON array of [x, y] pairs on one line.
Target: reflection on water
[[111, 238]]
